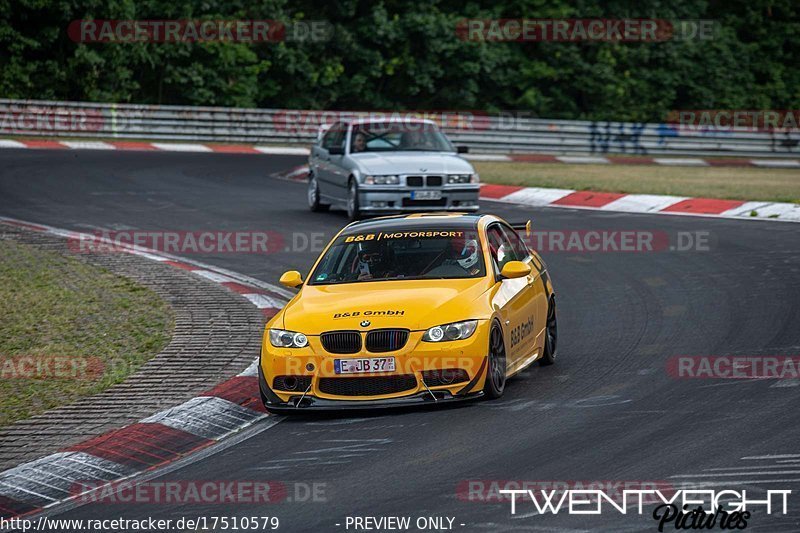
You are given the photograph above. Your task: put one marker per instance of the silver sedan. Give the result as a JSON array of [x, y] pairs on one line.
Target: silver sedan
[[381, 167]]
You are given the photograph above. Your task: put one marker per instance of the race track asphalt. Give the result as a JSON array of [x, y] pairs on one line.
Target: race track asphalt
[[608, 411]]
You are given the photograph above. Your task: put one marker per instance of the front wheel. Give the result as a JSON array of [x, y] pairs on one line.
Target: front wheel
[[496, 374], [551, 336], [313, 196], [353, 211]]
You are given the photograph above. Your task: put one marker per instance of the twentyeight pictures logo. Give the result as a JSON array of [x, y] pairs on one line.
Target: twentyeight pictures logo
[[681, 509]]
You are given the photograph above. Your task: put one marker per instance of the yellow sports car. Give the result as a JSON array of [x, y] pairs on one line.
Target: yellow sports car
[[416, 309]]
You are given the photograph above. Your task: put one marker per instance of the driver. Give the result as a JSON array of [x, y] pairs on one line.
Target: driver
[[359, 142], [373, 261], [468, 257]]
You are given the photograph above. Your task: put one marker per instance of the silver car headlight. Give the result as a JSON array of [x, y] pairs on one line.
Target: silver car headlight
[[455, 331], [280, 338], [459, 178], [381, 180]]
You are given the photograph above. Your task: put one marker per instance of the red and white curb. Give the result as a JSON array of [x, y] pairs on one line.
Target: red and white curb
[[157, 440], [49, 144], [643, 203], [289, 150], [638, 160], [619, 202]]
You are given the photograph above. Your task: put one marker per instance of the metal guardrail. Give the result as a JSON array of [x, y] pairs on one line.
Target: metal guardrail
[[483, 133]]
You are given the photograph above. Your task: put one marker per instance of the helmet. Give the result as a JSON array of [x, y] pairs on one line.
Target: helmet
[[469, 254]]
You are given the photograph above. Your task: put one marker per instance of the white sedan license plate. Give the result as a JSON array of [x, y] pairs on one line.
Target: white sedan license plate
[[363, 366], [426, 195]]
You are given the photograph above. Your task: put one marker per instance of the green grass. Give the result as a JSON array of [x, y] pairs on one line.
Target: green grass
[[56, 306], [735, 183]]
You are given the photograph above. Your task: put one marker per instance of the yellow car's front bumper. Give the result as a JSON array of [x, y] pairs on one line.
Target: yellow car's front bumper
[[294, 379]]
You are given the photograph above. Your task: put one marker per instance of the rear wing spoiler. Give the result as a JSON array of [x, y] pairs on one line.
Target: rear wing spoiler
[[523, 226]]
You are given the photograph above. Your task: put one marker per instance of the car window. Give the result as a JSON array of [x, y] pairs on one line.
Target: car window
[[520, 250], [334, 137], [500, 247], [401, 254], [398, 136]]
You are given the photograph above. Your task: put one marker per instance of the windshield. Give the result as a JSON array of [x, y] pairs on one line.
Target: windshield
[[401, 255], [395, 136]]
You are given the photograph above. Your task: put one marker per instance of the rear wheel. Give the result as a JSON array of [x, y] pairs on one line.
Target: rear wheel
[[551, 335], [496, 373], [313, 195], [353, 211]]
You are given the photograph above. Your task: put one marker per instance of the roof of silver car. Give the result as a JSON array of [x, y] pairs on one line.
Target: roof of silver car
[[391, 118]]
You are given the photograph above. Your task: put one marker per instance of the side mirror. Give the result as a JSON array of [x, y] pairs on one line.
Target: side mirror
[[462, 149], [515, 269], [293, 279], [336, 150]]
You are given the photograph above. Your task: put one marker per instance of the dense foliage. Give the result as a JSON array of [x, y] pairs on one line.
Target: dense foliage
[[402, 54]]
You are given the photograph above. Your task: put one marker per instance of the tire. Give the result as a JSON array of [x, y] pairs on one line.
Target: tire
[[551, 336], [313, 196], [353, 211], [496, 372]]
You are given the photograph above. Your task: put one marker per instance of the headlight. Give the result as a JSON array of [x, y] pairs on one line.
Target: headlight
[[474, 178], [458, 178], [381, 180], [451, 332], [287, 339]]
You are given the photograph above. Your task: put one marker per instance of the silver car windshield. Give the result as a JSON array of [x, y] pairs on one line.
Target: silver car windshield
[[398, 136], [401, 255]]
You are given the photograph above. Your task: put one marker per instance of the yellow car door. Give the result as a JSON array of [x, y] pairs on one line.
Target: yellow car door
[[515, 300]]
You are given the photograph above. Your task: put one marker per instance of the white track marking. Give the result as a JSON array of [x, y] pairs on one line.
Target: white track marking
[[776, 163], [781, 456], [182, 147], [754, 467], [207, 416], [8, 143], [583, 159], [536, 196], [148, 255], [486, 157], [282, 150], [251, 371], [262, 301], [642, 203], [726, 482], [680, 161], [733, 474], [780, 210], [88, 145], [213, 276]]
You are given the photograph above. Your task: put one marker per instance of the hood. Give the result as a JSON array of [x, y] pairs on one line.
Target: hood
[[412, 163], [410, 304]]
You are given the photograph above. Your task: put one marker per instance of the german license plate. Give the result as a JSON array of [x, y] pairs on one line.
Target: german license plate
[[426, 195], [363, 366]]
